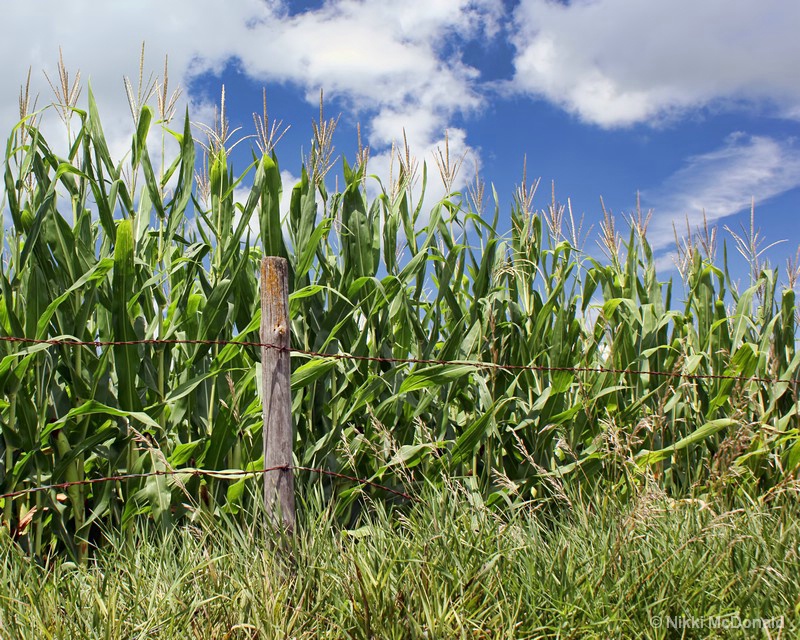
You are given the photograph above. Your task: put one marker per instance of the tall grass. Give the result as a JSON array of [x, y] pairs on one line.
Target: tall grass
[[450, 567], [117, 250]]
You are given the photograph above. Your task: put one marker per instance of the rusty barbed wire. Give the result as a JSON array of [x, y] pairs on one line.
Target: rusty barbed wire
[[425, 361], [226, 474], [235, 473]]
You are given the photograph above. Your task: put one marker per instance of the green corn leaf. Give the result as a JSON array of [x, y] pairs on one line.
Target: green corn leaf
[[646, 458], [183, 190], [270, 214], [435, 375], [126, 361], [311, 371], [92, 407]]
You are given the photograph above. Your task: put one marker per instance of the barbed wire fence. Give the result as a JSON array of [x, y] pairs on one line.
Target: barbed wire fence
[[232, 474], [277, 310], [228, 474], [424, 361]]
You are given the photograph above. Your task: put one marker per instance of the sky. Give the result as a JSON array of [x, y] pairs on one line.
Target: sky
[[691, 107]]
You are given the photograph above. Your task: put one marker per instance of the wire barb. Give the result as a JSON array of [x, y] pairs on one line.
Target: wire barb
[[224, 475], [346, 356]]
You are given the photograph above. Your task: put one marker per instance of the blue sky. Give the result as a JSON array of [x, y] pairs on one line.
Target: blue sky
[[696, 106]]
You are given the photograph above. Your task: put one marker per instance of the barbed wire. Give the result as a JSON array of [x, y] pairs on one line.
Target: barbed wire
[[235, 473], [424, 361], [227, 474]]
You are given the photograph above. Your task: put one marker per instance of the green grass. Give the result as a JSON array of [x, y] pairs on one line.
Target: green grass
[[448, 567]]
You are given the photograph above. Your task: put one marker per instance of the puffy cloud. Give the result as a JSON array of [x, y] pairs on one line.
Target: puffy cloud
[[395, 64], [619, 62]]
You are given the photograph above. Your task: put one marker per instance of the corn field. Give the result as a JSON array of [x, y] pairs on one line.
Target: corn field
[[97, 249]]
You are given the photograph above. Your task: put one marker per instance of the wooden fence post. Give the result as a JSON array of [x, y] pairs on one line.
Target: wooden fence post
[[277, 400]]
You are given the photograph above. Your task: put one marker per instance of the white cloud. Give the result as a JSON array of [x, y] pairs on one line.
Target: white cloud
[[667, 262], [393, 63], [722, 182], [387, 61], [619, 62], [427, 150]]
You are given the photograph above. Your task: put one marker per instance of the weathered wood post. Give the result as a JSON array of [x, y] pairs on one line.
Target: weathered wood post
[[276, 379]]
